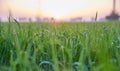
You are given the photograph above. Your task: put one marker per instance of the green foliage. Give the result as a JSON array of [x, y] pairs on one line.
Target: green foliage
[[84, 46]]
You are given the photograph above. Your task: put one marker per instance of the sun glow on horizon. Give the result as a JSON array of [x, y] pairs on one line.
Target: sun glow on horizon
[[72, 8], [58, 9]]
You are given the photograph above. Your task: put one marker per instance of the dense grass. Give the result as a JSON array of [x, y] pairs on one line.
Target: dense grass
[[60, 47]]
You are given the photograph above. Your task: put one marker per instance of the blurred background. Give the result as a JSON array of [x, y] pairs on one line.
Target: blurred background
[[62, 10]]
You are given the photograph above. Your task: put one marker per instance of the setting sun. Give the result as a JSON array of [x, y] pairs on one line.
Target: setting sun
[[58, 9], [71, 8]]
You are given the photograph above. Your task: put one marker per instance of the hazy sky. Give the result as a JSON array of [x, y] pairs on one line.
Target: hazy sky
[[57, 8]]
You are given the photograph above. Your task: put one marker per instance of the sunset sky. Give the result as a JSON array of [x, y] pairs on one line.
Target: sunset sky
[[59, 9]]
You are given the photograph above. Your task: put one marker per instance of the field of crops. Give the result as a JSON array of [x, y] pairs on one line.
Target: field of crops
[[85, 46]]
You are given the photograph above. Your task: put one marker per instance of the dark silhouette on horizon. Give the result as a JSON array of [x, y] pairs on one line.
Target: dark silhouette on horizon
[[113, 15]]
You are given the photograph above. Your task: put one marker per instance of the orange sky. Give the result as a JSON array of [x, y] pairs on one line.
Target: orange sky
[[57, 8]]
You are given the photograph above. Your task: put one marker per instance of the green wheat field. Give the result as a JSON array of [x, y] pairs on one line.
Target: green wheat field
[[85, 46]]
